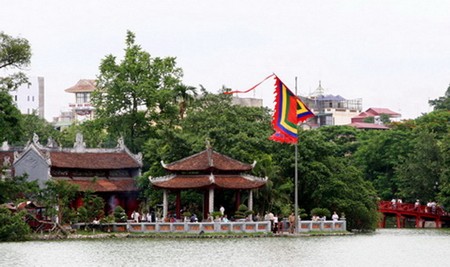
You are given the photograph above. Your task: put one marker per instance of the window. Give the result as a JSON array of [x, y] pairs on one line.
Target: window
[[32, 98], [83, 98]]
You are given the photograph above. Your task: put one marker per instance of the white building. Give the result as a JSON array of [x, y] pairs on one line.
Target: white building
[[29, 99], [82, 109], [331, 109]]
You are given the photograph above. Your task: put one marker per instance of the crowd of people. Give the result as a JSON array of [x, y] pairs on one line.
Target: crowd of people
[[430, 207], [278, 224]]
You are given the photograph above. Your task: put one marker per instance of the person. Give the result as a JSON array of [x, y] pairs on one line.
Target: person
[[291, 223], [194, 218], [417, 205], [136, 216], [225, 218], [394, 203], [335, 217], [271, 219], [222, 210], [280, 225], [275, 224], [149, 217], [95, 221]]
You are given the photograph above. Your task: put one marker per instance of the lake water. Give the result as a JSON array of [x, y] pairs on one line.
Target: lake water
[[385, 247]]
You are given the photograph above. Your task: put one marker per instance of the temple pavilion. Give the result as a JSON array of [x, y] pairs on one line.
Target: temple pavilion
[[210, 172], [107, 172]]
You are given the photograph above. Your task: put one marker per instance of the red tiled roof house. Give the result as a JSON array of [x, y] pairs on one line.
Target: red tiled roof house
[[109, 173]]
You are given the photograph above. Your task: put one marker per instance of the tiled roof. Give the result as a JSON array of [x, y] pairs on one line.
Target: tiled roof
[[118, 160], [207, 159], [365, 125], [4, 154], [83, 85], [379, 111], [202, 181], [103, 184]]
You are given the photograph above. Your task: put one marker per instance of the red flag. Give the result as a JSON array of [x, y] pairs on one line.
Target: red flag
[[289, 111]]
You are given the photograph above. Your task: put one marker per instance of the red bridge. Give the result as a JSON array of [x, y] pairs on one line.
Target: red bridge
[[422, 215]]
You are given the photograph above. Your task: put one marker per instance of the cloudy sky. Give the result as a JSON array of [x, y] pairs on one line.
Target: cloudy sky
[[393, 54]]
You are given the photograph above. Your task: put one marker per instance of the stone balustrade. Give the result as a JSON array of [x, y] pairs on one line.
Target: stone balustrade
[[308, 226], [215, 227]]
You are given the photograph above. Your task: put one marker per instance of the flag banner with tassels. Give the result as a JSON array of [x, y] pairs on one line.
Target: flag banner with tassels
[[289, 111]]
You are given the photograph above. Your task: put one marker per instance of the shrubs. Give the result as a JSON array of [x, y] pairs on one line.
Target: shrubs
[[321, 212], [119, 214], [242, 212], [12, 226]]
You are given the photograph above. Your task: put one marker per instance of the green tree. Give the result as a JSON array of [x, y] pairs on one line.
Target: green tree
[[183, 96], [17, 189], [57, 197], [13, 226], [33, 124], [328, 180], [135, 93], [10, 119], [94, 134], [379, 154], [443, 102], [15, 53], [444, 187], [419, 175], [94, 205]]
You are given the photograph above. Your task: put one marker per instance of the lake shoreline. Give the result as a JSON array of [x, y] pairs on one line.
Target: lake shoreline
[[81, 236]]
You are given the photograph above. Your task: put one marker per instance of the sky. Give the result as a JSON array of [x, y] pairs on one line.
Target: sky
[[393, 54]]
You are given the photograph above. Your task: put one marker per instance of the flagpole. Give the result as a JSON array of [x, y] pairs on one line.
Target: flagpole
[[296, 173]]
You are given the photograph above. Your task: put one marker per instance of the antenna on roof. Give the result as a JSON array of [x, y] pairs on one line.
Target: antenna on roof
[[208, 144]]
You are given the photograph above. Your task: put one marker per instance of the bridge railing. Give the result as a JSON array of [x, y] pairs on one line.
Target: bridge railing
[[411, 207]]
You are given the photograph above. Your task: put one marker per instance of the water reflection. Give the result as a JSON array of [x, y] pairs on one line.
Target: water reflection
[[386, 247]]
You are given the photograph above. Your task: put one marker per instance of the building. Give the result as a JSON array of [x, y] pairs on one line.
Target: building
[[109, 173], [331, 109], [247, 101], [362, 120], [210, 172], [82, 108], [29, 98]]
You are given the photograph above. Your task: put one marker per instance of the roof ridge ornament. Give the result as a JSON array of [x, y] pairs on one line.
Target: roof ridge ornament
[[79, 145], [209, 151], [36, 141], [5, 146]]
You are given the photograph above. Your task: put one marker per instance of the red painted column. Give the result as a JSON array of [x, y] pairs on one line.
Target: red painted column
[[238, 199], [399, 220], [438, 222], [419, 222], [383, 222], [178, 204]]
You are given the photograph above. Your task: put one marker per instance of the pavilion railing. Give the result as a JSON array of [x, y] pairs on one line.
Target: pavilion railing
[[215, 227]]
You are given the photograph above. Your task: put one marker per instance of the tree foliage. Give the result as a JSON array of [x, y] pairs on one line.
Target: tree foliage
[[135, 93], [33, 124], [12, 226], [10, 119], [17, 189], [443, 102], [57, 197], [15, 53]]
